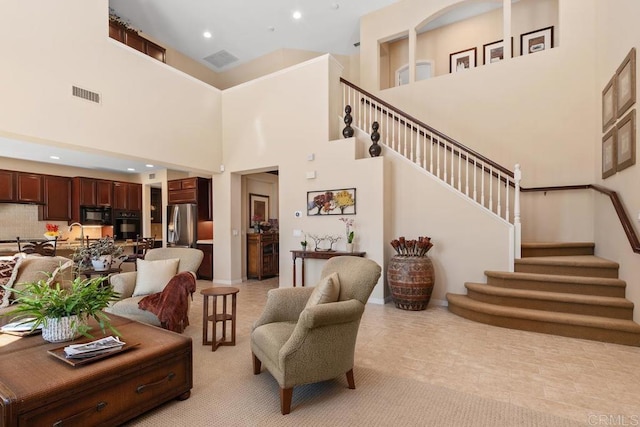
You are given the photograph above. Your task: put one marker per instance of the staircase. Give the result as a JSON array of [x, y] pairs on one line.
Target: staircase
[[560, 289]]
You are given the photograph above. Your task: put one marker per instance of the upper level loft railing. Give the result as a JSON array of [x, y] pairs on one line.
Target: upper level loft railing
[[486, 182]]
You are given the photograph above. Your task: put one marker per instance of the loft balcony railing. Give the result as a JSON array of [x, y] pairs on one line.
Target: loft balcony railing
[[484, 181]]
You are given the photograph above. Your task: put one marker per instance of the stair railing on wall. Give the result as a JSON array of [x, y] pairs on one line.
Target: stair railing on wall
[[487, 183], [626, 223]]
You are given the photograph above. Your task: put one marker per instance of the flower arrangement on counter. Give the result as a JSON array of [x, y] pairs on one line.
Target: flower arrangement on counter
[[348, 223], [52, 231]]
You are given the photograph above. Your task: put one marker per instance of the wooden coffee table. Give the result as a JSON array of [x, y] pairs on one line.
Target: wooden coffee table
[[38, 389]]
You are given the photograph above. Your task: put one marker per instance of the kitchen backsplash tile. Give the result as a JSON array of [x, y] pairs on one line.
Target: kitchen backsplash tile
[[22, 220]]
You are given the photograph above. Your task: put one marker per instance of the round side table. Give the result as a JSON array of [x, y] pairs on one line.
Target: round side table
[[215, 317]]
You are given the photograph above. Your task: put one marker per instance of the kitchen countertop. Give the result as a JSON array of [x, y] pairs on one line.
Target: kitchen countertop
[[12, 246], [205, 242]]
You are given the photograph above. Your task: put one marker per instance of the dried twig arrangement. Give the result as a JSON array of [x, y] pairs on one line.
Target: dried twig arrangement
[[418, 247]]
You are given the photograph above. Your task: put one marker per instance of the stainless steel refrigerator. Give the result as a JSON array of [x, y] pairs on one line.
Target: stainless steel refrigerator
[[182, 225]]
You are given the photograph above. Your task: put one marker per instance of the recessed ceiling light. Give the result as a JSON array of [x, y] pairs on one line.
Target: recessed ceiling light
[[336, 6], [297, 14], [54, 157], [271, 28], [207, 34], [149, 165], [131, 169]]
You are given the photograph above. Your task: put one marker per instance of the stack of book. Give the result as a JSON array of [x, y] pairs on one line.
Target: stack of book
[[93, 348]]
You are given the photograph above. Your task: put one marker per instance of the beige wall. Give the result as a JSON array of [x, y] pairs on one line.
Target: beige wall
[[149, 110], [618, 32]]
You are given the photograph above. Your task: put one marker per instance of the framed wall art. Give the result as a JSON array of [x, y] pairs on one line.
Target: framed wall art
[[331, 202], [609, 104], [626, 83], [609, 153], [536, 41], [463, 60], [626, 141], [494, 52], [258, 208]]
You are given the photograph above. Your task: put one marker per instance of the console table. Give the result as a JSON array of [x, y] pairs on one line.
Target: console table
[[37, 389], [317, 255]]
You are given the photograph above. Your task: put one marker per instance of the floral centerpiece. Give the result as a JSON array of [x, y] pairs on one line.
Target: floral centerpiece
[[99, 254], [63, 312], [52, 231]]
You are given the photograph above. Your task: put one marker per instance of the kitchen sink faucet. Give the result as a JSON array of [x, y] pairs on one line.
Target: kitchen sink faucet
[[81, 231]]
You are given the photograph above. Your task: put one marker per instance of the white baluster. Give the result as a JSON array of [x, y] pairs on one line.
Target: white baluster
[[418, 149], [517, 177], [438, 159], [466, 175], [499, 194], [507, 191], [475, 179], [452, 171], [482, 177], [491, 188], [430, 152], [459, 171]]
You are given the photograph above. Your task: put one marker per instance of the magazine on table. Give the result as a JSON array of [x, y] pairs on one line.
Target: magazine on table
[[93, 348]]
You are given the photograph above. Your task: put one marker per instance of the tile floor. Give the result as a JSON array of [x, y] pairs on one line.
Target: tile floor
[[591, 382]]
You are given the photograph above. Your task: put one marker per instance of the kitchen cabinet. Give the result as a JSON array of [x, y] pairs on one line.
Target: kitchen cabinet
[[262, 255], [7, 189], [92, 192], [127, 196], [206, 267], [21, 187], [57, 199], [192, 190]]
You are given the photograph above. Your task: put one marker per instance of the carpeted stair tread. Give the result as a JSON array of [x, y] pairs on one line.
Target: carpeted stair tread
[[586, 261], [603, 286], [585, 280], [533, 249], [550, 296], [544, 316]]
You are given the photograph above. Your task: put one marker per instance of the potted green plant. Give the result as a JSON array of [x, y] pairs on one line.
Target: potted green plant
[[63, 312], [99, 255]]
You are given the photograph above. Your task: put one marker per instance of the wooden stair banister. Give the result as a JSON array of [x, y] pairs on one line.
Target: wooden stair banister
[[625, 221]]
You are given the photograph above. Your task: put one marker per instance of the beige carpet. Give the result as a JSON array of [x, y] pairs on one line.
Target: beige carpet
[[226, 393]]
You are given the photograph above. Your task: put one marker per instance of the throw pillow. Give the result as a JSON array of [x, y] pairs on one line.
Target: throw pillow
[[327, 290], [7, 270], [153, 276]]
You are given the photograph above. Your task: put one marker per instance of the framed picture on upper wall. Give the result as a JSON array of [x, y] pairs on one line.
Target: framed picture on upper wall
[[609, 104], [494, 52], [258, 208], [331, 202], [626, 83], [626, 141], [462, 60], [609, 153], [536, 41]]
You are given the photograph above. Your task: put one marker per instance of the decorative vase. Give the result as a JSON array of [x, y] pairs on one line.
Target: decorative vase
[[102, 263], [50, 237], [411, 280], [348, 131], [375, 150], [349, 247], [59, 329]]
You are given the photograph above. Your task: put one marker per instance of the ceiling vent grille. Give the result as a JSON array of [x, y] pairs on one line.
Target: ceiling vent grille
[[85, 94], [221, 59]]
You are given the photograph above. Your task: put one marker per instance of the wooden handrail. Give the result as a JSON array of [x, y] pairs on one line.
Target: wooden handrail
[[429, 128], [626, 223]]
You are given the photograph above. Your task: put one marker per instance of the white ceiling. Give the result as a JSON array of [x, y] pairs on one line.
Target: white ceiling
[[248, 29]]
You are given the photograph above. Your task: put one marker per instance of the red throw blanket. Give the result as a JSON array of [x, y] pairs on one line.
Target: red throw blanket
[[172, 304]]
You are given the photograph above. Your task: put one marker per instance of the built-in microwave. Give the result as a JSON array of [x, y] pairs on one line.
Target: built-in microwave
[[95, 216]]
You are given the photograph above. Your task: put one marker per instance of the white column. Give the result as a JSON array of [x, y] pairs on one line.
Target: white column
[[412, 55], [506, 28]]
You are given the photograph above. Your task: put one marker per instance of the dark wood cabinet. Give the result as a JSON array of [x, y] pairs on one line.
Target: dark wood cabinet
[[127, 196], [206, 267], [57, 199], [192, 190], [7, 188], [262, 255], [93, 192], [21, 187], [132, 39]]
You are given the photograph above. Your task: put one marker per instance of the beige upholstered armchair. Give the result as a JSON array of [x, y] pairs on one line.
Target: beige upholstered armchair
[[307, 335], [152, 275]]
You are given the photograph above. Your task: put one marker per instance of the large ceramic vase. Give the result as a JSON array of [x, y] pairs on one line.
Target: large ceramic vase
[[411, 280], [60, 329]]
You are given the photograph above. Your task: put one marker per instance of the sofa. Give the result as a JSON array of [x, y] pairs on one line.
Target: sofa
[[152, 274], [18, 269]]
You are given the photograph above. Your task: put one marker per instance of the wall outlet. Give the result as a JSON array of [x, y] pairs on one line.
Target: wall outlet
[[311, 174]]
